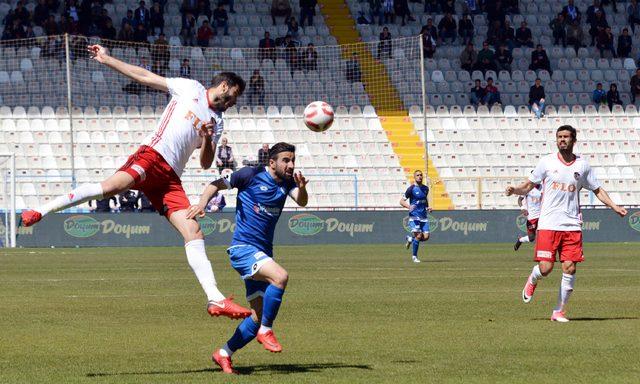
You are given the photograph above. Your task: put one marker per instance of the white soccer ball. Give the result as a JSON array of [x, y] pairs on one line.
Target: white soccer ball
[[318, 116]]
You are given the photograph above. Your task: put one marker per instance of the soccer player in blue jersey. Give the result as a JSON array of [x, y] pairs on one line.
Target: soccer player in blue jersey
[[415, 200], [262, 192]]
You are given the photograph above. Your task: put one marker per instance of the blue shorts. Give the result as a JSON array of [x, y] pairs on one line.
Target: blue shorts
[[247, 260], [419, 225]]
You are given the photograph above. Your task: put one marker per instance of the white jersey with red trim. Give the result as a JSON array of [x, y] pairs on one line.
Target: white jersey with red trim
[[532, 202], [176, 136], [561, 185]]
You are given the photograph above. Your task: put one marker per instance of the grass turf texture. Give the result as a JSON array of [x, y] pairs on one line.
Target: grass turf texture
[[350, 314]]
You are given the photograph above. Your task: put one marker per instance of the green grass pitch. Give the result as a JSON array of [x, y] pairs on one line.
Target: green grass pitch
[[351, 314]]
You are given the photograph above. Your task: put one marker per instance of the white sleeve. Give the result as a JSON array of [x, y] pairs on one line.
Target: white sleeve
[[590, 181], [179, 87], [539, 173]]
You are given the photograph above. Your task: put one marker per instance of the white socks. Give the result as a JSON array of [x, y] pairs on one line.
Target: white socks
[[524, 239], [535, 274], [263, 329], [201, 266], [566, 288], [81, 194], [226, 351]]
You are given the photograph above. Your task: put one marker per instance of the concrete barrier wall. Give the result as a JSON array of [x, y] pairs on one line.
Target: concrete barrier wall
[[322, 227]]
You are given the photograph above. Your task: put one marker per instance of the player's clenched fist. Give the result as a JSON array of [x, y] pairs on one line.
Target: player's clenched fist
[[98, 52], [509, 191]]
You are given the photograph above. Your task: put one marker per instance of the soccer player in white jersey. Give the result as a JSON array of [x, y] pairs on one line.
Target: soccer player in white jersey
[[191, 120], [562, 175], [530, 206]]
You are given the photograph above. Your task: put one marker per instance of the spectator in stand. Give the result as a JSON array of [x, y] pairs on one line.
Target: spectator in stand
[[492, 93], [428, 43], [598, 24], [599, 95], [503, 58], [21, 13], [50, 26], [128, 201], [72, 11], [204, 9], [160, 55], [614, 5], [280, 8], [540, 60], [575, 36], [221, 19], [156, 19], [217, 203], [478, 95], [104, 205], [571, 13], [447, 6], [447, 28], [256, 88], [486, 59], [635, 85], [524, 36], [536, 98], [352, 69], [144, 63], [140, 34], [126, 33], [188, 6], [310, 58], [558, 30], [466, 29], [593, 10], [495, 12], [188, 28], [53, 48], [291, 53], [387, 9], [144, 203], [385, 46], [401, 8], [224, 156], [375, 10], [127, 19], [263, 155], [267, 48], [509, 35], [469, 6], [495, 33], [293, 29], [185, 69], [40, 13], [604, 42], [307, 11], [634, 15], [613, 96], [625, 44], [142, 15], [108, 32], [229, 3], [468, 58], [433, 31], [204, 34]]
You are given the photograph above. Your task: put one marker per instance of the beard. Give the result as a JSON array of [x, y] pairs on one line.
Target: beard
[[282, 175]]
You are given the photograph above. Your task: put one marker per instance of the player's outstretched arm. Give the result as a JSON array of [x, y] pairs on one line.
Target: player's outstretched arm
[[134, 72], [299, 194], [521, 189], [603, 196], [209, 191]]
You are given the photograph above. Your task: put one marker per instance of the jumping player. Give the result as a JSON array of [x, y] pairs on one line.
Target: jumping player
[[562, 175], [415, 200], [262, 192], [191, 120], [530, 206]]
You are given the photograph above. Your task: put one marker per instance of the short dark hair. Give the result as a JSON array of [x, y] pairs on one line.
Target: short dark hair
[[232, 80], [416, 171], [280, 147], [489, 78], [569, 128]]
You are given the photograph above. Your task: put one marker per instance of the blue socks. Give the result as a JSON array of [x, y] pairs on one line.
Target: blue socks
[[271, 304], [245, 332], [415, 243]]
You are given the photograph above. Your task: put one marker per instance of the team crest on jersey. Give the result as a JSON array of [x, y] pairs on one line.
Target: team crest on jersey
[[264, 188], [576, 175]]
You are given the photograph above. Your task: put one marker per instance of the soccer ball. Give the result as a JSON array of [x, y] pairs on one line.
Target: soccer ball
[[318, 116]]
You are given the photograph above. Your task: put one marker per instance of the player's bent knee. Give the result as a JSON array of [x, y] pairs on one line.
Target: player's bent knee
[[545, 268], [425, 236]]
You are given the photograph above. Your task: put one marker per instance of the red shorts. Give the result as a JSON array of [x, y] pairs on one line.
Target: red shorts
[[567, 243], [532, 226], [156, 179]]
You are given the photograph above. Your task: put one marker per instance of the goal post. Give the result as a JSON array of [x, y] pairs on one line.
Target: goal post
[[8, 194]]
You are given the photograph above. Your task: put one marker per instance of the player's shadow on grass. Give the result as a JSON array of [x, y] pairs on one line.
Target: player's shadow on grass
[[594, 318], [247, 370]]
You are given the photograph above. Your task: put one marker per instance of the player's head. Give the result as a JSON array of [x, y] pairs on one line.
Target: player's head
[[282, 160], [417, 176], [566, 138], [225, 89]]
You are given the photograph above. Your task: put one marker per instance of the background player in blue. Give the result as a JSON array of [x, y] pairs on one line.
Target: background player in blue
[[262, 192], [415, 200]]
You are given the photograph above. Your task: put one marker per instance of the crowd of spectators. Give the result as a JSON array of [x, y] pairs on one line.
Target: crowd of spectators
[[127, 201]]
